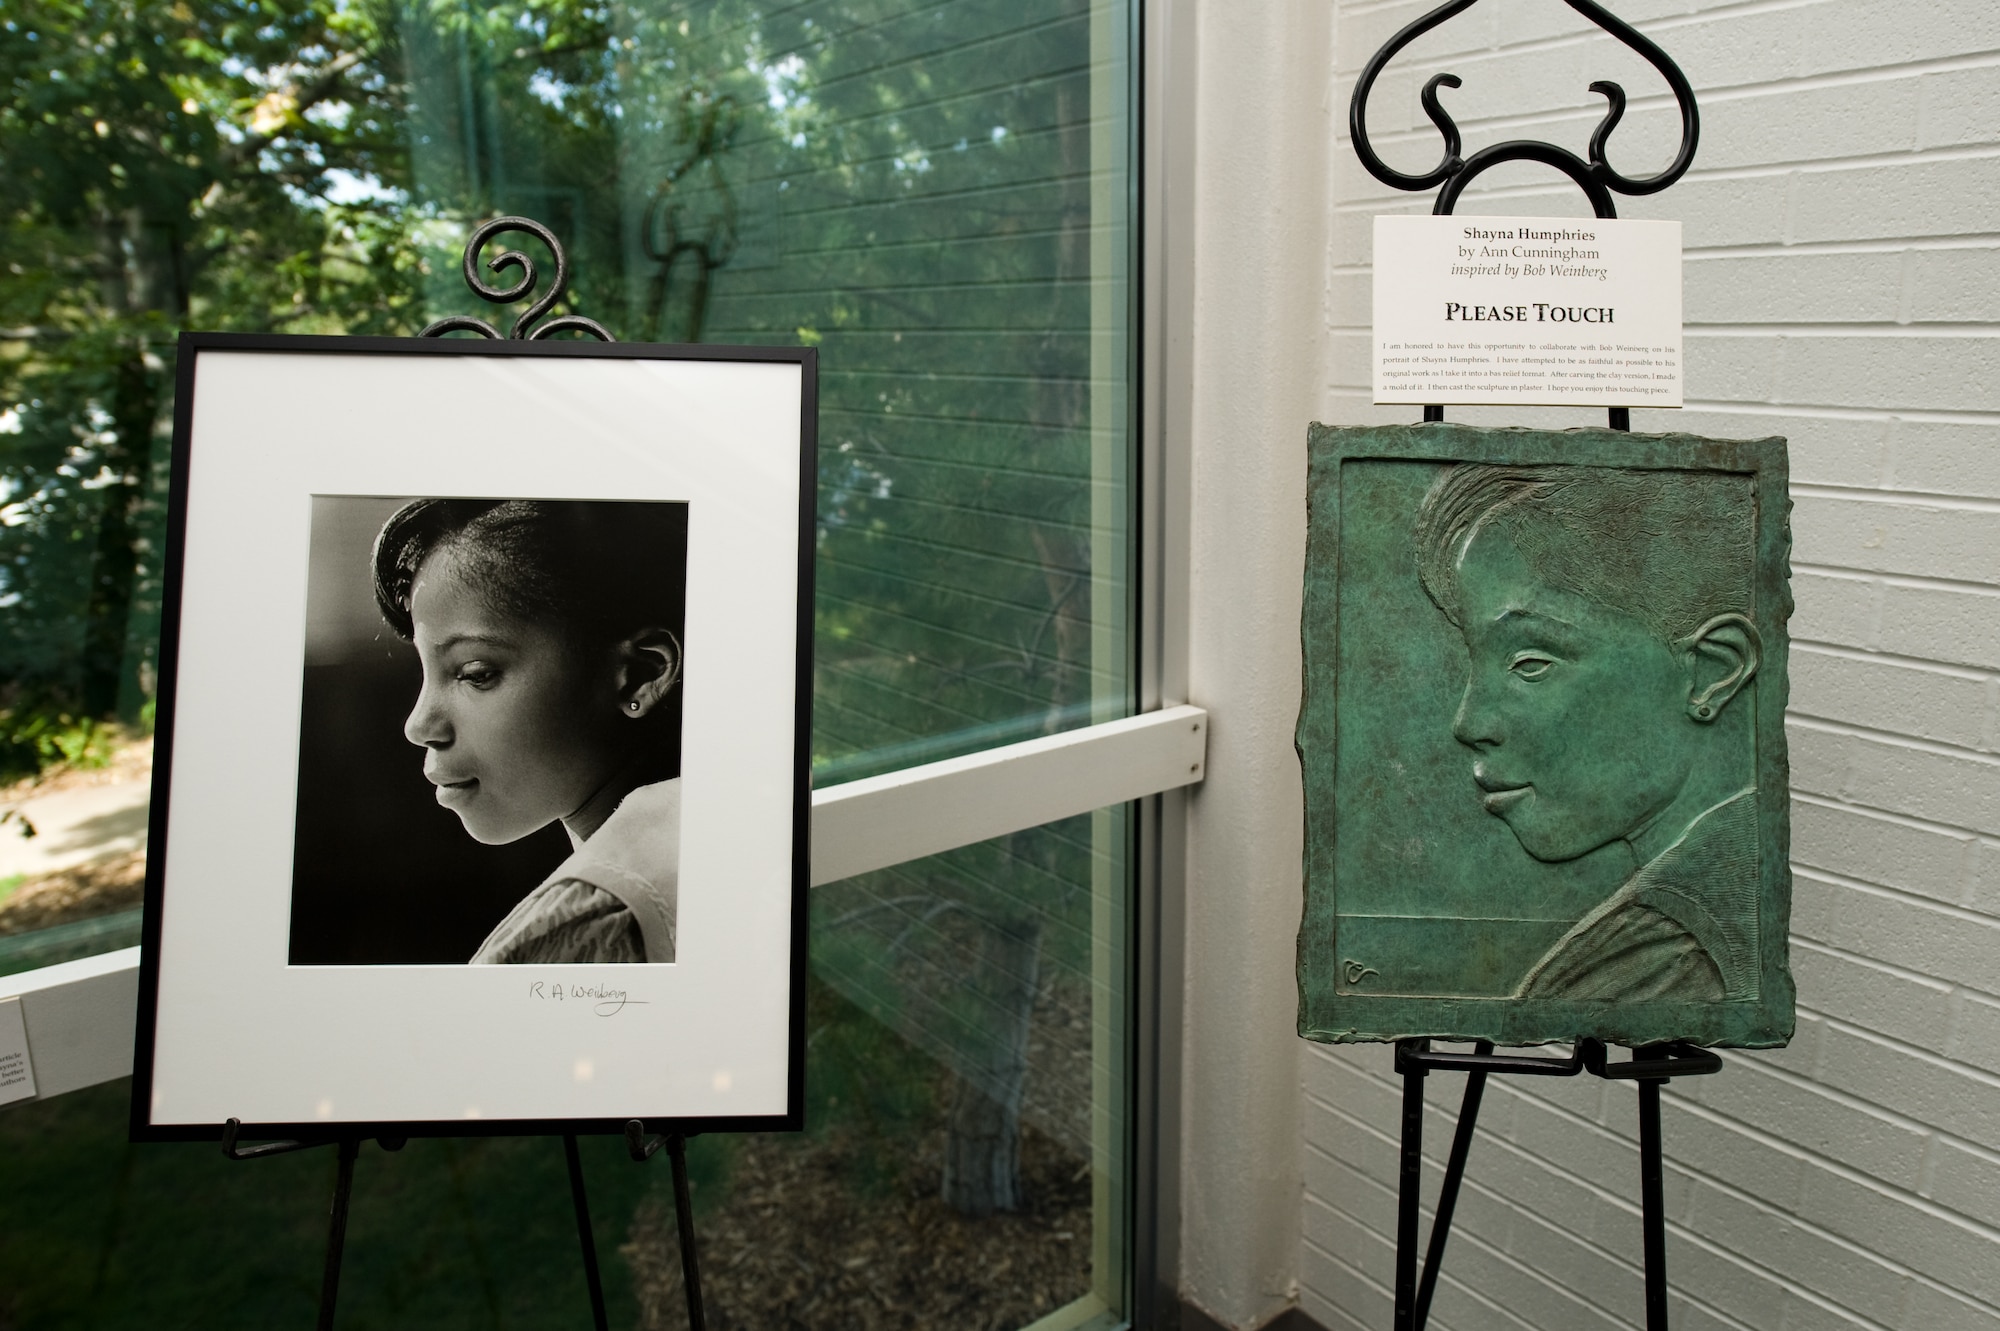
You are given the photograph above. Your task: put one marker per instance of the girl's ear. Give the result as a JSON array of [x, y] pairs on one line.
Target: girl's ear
[[649, 665]]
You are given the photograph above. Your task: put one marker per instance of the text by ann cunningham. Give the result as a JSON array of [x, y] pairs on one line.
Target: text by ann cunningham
[[1454, 312]]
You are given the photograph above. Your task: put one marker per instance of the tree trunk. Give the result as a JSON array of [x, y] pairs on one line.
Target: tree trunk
[[982, 1153], [146, 274], [114, 569], [982, 1167]]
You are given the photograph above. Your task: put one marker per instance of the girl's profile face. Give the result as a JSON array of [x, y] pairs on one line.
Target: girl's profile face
[[517, 730], [1577, 713]]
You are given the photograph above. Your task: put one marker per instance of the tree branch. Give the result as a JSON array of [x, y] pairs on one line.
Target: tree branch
[[298, 97]]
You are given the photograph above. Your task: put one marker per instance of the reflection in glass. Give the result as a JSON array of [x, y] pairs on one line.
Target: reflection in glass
[[963, 1164], [964, 1160], [933, 193]]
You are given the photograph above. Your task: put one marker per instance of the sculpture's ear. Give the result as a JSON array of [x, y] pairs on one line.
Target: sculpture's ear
[[1722, 655]]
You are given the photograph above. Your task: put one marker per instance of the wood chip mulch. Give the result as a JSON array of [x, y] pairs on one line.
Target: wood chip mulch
[[795, 1246]]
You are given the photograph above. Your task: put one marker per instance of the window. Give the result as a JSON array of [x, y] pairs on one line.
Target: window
[[934, 192]]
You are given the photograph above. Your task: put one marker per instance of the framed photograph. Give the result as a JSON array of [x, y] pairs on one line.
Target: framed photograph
[[1542, 736], [482, 792]]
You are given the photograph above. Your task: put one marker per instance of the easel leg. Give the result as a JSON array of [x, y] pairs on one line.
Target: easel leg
[[684, 1215], [585, 1235], [1650, 1066], [1408, 1189], [336, 1231], [1653, 1198], [642, 1147], [1454, 1174]]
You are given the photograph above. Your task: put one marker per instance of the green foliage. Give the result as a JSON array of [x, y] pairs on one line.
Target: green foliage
[[33, 739], [164, 164], [910, 189]]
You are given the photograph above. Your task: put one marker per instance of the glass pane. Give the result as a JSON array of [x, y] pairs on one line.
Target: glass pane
[[933, 192], [964, 1166]]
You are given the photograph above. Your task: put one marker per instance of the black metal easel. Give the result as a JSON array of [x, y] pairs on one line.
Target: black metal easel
[[642, 1147], [1595, 177], [639, 1145], [1650, 1065], [343, 1191]]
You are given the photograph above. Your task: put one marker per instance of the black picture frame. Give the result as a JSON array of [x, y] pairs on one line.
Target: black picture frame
[[174, 674]]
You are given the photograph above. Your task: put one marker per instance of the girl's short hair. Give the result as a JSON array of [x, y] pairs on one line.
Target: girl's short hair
[[596, 570], [1674, 548]]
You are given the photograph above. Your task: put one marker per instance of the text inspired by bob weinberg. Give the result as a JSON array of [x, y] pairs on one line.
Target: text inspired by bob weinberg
[[1529, 310]]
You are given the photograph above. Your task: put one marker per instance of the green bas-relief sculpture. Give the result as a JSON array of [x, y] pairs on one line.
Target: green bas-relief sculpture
[[1543, 737]]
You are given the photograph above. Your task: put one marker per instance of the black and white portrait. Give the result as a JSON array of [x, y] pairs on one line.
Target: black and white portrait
[[490, 732], [482, 779]]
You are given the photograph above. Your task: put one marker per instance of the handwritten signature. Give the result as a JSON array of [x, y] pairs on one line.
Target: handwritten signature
[[606, 1001]]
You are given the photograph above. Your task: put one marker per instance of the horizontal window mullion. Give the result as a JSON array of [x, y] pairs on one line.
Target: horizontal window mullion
[[80, 1014]]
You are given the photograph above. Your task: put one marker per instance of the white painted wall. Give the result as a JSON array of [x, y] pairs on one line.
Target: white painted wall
[[1843, 286], [1246, 318]]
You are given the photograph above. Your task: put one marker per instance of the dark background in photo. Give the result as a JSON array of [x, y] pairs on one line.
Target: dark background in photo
[[381, 873]]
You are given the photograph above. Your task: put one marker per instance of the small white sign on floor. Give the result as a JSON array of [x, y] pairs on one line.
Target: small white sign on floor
[[17, 1074], [1532, 310]]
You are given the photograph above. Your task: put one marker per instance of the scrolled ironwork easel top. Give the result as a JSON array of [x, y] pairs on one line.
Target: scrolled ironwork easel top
[[566, 323], [1596, 177]]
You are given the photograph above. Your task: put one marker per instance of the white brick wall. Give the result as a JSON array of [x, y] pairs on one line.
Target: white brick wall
[[1843, 283]]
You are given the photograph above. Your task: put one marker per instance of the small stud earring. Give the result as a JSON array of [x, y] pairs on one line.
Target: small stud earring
[[634, 705], [1704, 711]]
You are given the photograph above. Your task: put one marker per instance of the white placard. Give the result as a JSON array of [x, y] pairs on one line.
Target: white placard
[[1530, 310], [17, 1071]]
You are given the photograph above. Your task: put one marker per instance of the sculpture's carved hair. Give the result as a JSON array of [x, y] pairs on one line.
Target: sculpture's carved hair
[[1673, 548]]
